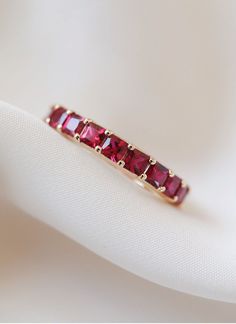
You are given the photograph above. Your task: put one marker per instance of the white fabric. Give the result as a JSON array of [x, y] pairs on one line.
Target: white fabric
[[66, 283], [158, 77], [192, 249]]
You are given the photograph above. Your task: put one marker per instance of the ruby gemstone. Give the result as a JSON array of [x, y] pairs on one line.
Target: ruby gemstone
[[181, 194], [92, 135], [157, 175], [73, 124], [114, 148], [57, 117], [172, 184], [136, 161]]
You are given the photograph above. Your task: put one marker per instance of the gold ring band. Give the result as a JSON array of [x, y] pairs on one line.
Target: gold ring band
[[142, 167]]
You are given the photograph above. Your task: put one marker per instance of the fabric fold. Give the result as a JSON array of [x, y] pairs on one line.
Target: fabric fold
[[77, 193]]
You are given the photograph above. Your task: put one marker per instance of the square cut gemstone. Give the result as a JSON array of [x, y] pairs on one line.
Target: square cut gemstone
[[181, 194], [57, 117], [73, 124], [157, 175], [92, 135], [114, 148], [172, 184], [136, 161]]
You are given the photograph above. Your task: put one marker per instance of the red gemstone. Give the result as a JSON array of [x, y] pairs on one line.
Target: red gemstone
[[114, 148], [136, 161], [92, 135], [172, 184], [73, 124], [181, 194], [57, 117], [157, 175]]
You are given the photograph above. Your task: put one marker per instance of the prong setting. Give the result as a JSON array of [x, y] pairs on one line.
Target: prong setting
[[152, 161], [108, 132], [131, 147], [98, 149], [77, 137], [121, 163], [87, 120], [54, 107], [171, 174], [143, 176], [175, 199]]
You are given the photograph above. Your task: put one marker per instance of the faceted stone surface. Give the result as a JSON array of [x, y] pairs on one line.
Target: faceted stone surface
[[92, 135], [157, 175], [172, 184], [73, 124], [136, 161], [114, 148], [57, 117], [181, 194]]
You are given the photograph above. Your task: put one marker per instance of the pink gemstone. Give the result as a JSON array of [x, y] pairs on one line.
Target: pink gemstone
[[157, 175], [92, 135], [57, 117], [73, 124], [114, 148], [136, 161], [172, 184], [181, 194]]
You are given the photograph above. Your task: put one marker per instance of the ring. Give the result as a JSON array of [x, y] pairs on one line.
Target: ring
[[140, 166]]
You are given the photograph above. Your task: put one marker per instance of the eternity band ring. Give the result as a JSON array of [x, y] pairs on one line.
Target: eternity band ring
[[151, 174]]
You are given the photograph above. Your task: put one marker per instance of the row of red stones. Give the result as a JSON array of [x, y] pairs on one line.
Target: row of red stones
[[116, 149]]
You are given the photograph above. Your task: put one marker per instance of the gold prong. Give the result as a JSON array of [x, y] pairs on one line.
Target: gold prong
[[98, 149], [47, 120], [108, 132], [171, 173], [143, 176], [152, 161], [121, 163], [175, 199], [56, 106], [87, 120], [77, 137], [59, 127], [131, 147], [69, 112], [161, 189]]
